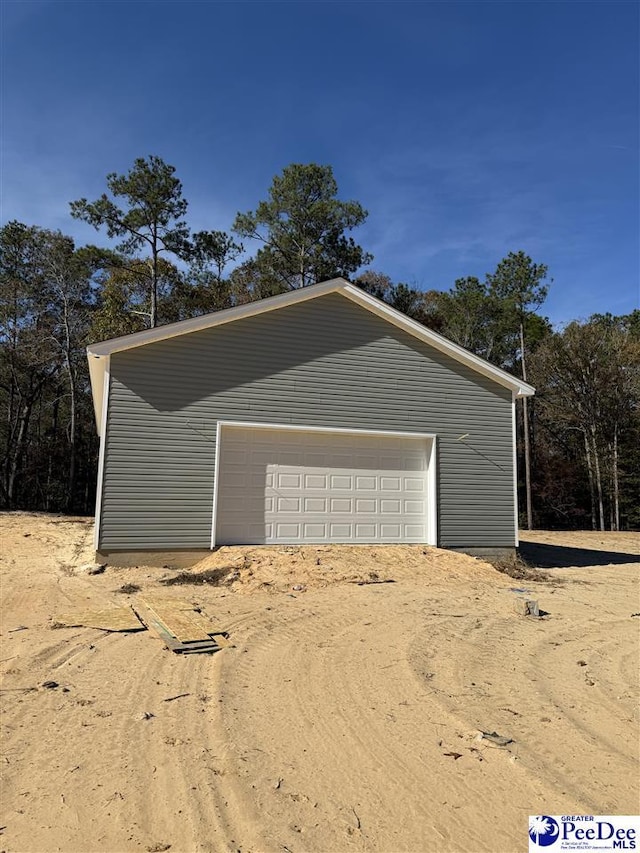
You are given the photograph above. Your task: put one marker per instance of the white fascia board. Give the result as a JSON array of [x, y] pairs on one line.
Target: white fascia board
[[514, 441], [458, 353], [218, 318]]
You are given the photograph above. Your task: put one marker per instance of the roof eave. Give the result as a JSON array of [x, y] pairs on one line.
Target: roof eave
[[517, 386], [217, 318]]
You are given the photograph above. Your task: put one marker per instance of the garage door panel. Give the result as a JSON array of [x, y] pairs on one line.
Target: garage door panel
[[282, 486], [341, 481], [287, 530], [388, 484], [315, 481], [341, 505], [315, 531], [366, 483], [288, 505], [316, 505], [366, 506], [287, 479]]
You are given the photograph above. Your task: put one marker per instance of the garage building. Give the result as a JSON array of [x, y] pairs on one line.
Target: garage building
[[318, 416]]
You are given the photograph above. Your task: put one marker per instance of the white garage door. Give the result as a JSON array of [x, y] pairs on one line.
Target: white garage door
[[281, 486]]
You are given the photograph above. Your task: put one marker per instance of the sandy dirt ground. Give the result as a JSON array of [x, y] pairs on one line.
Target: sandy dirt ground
[[346, 717]]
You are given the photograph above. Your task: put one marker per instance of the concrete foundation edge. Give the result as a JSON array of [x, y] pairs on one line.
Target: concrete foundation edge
[[161, 559], [488, 552], [187, 558]]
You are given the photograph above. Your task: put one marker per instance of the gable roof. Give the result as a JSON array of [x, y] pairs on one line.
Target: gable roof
[[99, 354]]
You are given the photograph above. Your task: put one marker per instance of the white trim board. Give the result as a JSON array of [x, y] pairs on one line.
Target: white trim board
[[98, 353], [306, 428], [101, 459], [214, 511], [516, 519], [431, 438]]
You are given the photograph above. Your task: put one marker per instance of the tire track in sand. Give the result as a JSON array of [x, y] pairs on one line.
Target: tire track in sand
[[332, 724]]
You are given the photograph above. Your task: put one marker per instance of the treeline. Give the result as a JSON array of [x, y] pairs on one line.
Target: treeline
[[579, 438]]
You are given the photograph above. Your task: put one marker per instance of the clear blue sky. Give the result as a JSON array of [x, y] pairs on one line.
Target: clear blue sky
[[466, 129]]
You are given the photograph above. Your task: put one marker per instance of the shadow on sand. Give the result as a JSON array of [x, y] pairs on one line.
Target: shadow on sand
[[562, 557]]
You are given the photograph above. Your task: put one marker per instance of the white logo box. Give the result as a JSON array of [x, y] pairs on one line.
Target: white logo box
[[584, 833]]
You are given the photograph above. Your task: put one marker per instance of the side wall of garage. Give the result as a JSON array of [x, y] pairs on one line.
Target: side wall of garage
[[324, 362]]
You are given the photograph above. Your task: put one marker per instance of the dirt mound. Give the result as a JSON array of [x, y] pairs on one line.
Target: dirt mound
[[276, 568]]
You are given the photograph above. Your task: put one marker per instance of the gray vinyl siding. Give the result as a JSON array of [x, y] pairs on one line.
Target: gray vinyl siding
[[324, 362]]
